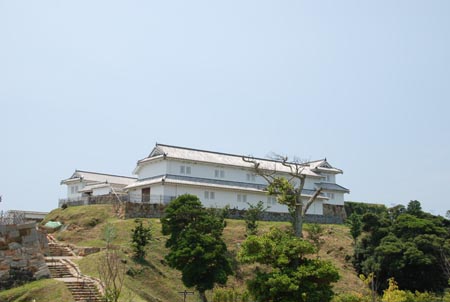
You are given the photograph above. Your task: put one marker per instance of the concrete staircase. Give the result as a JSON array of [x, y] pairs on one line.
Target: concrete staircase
[[83, 288]]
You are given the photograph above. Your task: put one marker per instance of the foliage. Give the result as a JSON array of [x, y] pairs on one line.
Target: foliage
[[109, 234], [252, 215], [355, 224], [361, 208], [315, 233], [403, 244], [288, 192], [229, 295], [351, 297], [394, 294], [140, 237], [287, 274], [196, 245]]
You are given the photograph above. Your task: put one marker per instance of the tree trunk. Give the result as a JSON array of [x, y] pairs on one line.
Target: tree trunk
[[202, 296], [298, 227]]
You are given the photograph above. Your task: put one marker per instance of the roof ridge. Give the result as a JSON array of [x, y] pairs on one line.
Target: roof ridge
[[230, 154], [107, 174]]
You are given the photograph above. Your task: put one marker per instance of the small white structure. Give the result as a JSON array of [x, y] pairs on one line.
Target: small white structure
[[221, 179], [84, 184]]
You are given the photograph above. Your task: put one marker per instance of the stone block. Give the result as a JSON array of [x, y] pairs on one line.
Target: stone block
[[3, 243], [25, 226], [14, 246]]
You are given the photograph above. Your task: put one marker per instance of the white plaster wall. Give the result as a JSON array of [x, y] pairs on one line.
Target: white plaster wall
[[337, 200], [227, 197], [135, 195], [77, 186], [207, 171], [101, 191], [153, 168], [331, 177]]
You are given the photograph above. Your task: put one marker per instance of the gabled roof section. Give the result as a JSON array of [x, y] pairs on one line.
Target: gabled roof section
[[156, 151], [332, 187], [95, 177], [226, 159], [323, 165]]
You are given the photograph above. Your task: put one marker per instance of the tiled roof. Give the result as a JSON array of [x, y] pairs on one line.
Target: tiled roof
[[95, 177], [205, 182], [332, 187], [219, 158]]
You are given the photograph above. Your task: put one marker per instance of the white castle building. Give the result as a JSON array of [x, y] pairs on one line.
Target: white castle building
[[221, 179], [218, 179]]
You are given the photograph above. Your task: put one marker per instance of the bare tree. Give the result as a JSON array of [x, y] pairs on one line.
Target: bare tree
[[111, 268], [287, 190], [112, 271]]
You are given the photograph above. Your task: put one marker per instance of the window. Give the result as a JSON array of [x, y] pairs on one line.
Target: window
[[329, 195], [219, 173], [210, 195], [242, 198], [327, 178], [185, 170], [251, 177], [271, 200]]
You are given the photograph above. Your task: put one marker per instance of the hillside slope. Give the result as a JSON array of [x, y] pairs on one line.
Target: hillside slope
[[153, 280]]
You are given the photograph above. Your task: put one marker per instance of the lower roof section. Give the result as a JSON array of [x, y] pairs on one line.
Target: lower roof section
[[205, 182]]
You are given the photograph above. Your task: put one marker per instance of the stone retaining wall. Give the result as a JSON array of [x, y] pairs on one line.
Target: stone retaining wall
[[21, 254], [333, 214]]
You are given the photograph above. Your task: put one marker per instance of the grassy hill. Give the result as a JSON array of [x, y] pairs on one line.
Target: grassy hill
[[153, 280]]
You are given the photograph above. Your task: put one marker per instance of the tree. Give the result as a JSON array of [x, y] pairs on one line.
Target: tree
[[111, 269], [288, 191], [414, 208], [287, 273], [195, 243], [403, 246], [252, 215], [355, 224], [315, 232], [140, 237]]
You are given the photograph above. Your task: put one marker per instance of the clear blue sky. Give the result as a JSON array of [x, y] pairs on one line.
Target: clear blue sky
[[94, 84]]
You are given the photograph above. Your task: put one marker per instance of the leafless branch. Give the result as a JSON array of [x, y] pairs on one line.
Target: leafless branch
[[269, 176], [311, 200]]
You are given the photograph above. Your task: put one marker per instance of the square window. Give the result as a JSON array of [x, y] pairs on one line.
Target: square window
[[216, 173], [206, 195], [222, 174], [212, 195], [188, 170], [182, 169]]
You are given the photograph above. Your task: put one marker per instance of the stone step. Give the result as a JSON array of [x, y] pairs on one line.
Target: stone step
[[59, 269], [84, 291]]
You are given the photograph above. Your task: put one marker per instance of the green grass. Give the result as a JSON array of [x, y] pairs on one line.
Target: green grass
[[42, 290], [153, 280]]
